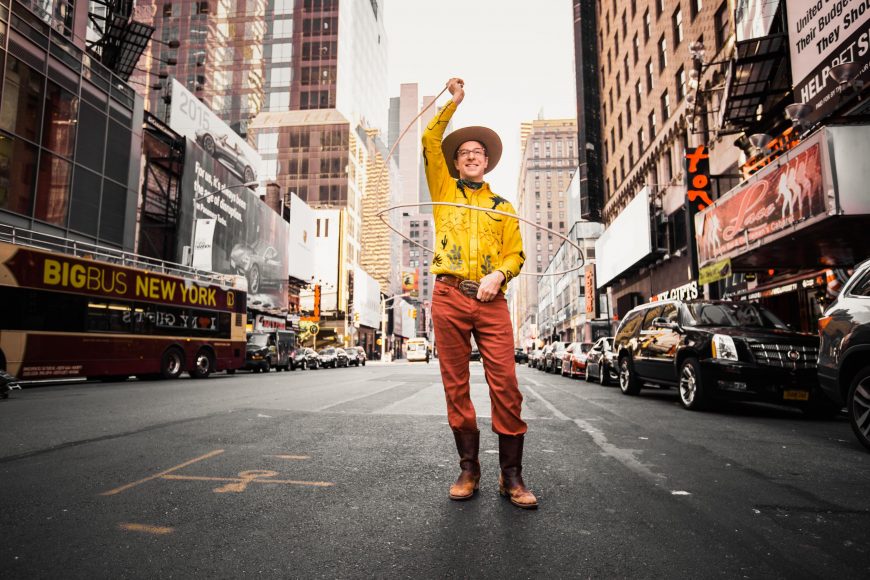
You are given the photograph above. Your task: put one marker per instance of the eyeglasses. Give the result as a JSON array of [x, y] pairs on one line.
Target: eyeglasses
[[463, 153]]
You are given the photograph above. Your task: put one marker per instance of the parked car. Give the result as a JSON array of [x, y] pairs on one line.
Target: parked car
[[533, 357], [543, 357], [342, 359], [357, 355], [574, 359], [266, 350], [553, 354], [260, 264], [333, 357], [716, 350], [600, 363], [520, 356], [844, 352], [305, 358], [228, 153]]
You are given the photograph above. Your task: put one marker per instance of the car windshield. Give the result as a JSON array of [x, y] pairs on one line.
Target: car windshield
[[586, 347], [259, 339], [737, 314]]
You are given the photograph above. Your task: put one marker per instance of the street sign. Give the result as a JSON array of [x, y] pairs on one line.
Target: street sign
[[313, 329]]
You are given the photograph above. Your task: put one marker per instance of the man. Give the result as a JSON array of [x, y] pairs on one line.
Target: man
[[476, 254]]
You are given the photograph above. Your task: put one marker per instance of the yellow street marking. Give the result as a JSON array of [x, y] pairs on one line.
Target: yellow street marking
[[157, 530], [290, 456], [118, 490], [238, 484]]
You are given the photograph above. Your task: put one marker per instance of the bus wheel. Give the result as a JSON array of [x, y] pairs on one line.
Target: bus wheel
[[171, 363], [203, 365]]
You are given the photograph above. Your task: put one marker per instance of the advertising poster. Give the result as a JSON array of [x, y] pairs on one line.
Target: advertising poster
[[823, 34], [301, 242], [411, 283], [248, 238], [203, 242], [366, 299], [193, 119], [778, 197]]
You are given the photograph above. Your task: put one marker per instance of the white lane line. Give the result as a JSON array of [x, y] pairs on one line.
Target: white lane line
[[627, 457], [389, 385]]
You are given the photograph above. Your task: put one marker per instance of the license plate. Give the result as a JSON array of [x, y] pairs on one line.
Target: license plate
[[796, 395]]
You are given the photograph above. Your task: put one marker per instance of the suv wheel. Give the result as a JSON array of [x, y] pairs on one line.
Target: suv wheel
[[693, 396], [602, 374], [858, 405], [628, 383]]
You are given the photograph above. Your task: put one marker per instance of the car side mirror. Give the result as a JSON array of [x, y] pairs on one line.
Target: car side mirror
[[666, 324]]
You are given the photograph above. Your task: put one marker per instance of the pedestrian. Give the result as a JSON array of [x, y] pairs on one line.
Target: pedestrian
[[476, 255]]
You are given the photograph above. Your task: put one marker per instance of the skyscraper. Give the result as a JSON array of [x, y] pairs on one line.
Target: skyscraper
[[549, 157]]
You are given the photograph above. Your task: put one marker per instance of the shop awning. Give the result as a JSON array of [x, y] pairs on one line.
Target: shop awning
[[756, 77]]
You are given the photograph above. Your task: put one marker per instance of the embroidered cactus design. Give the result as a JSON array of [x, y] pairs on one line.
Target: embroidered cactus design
[[486, 267], [444, 242], [496, 200], [455, 257]]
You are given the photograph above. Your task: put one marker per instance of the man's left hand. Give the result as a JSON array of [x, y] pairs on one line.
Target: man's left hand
[[490, 285]]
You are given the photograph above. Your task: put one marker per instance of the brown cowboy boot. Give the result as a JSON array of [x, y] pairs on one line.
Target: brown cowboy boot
[[510, 480], [468, 482]]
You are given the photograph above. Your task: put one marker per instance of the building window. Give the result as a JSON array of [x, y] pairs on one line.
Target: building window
[[678, 27], [636, 49], [634, 7], [640, 143], [628, 113], [649, 76], [625, 66], [624, 25], [663, 53], [721, 24], [652, 126], [638, 95], [697, 6], [666, 106], [647, 26], [660, 7], [681, 84]]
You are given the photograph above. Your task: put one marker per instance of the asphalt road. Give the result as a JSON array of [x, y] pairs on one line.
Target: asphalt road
[[344, 474]]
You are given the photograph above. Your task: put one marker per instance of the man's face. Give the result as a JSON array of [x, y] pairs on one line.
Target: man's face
[[471, 161]]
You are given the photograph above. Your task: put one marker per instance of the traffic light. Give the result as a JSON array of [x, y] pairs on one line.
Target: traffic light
[[380, 341]]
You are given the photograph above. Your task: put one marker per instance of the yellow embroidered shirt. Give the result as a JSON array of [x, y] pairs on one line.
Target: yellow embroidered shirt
[[468, 243]]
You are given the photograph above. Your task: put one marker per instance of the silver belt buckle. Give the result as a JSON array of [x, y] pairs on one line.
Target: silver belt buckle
[[469, 288]]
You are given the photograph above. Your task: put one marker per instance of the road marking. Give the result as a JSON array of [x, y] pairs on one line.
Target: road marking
[[300, 457], [390, 385], [123, 488], [624, 456], [145, 528], [240, 484]]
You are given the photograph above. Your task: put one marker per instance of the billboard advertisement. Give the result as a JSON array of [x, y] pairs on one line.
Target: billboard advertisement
[[405, 324], [366, 299], [411, 283], [232, 231], [753, 18], [821, 36], [193, 119], [625, 242], [777, 198], [301, 242]]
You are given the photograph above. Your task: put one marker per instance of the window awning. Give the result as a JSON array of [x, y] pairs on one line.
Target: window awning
[[756, 77]]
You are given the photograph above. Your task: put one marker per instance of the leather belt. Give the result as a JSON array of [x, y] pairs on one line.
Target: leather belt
[[467, 287]]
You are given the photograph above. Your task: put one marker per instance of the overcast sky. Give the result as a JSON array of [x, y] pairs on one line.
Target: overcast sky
[[516, 57]]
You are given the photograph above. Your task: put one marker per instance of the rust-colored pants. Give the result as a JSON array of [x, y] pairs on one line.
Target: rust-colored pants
[[455, 318]]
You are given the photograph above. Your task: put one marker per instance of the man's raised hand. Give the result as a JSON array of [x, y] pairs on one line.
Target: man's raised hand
[[456, 86]]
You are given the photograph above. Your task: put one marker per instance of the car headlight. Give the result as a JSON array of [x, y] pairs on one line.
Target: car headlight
[[724, 347]]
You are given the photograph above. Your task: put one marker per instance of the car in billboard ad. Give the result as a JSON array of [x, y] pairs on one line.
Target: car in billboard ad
[[232, 231], [191, 118]]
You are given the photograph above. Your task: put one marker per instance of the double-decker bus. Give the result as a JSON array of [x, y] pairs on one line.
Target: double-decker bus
[[75, 310]]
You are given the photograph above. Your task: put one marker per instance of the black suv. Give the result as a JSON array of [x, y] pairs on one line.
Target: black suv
[[718, 350], [844, 355]]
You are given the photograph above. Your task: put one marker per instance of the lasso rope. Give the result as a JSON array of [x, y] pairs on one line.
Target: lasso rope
[[382, 213]]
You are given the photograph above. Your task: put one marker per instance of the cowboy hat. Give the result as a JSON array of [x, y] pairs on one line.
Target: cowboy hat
[[488, 137]]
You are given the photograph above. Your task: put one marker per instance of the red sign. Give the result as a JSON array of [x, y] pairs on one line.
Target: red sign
[[589, 283], [786, 195], [44, 270], [698, 180]]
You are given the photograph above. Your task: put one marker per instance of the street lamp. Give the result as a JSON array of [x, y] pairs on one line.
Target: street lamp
[[384, 320], [195, 220]]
